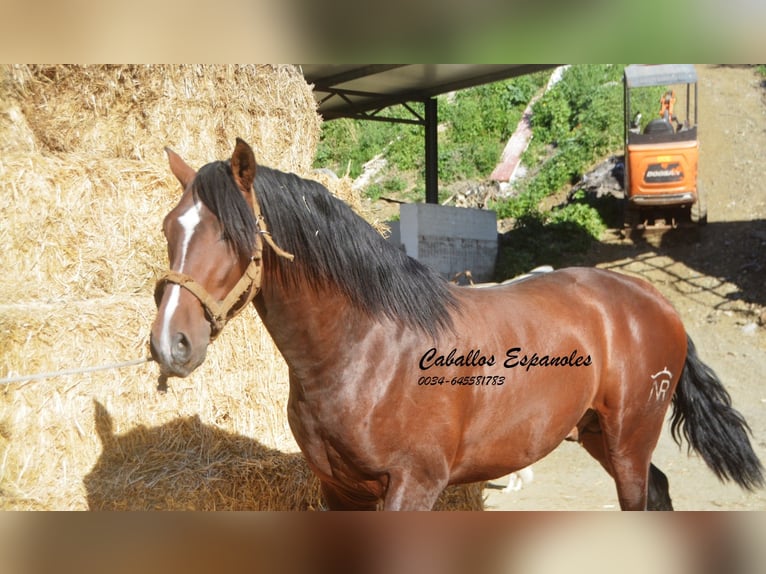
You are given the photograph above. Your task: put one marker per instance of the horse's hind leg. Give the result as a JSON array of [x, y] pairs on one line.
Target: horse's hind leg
[[628, 465], [630, 474], [658, 496]]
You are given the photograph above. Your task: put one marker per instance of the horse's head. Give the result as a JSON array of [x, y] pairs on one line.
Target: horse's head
[[214, 250]]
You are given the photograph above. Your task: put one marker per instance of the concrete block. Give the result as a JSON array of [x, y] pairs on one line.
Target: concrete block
[[394, 236], [450, 240]]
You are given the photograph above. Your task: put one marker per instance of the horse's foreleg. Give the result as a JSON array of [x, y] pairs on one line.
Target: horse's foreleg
[[406, 492]]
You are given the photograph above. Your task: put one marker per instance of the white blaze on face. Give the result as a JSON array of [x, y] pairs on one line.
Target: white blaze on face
[[189, 221]]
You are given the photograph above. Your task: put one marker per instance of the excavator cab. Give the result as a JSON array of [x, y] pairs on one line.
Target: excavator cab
[[661, 146]]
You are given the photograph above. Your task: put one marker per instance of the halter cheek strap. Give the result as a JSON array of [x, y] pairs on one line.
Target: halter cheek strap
[[218, 313]]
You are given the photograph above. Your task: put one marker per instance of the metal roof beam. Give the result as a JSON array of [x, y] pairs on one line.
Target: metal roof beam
[[350, 75]]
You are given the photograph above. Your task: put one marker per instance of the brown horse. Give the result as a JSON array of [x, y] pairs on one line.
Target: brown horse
[[401, 383]]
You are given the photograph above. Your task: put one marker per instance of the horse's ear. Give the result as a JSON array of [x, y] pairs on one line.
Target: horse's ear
[[243, 166], [180, 169]]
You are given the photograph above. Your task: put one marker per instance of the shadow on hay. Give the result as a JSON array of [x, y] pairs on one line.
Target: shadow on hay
[[188, 465]]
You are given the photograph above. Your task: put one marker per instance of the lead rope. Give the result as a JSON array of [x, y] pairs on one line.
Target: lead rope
[[79, 371], [267, 237], [264, 230]]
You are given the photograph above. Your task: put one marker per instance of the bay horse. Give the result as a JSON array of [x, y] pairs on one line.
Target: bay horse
[[402, 383]]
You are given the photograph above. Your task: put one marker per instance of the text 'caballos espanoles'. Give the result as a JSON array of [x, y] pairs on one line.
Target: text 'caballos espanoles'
[[514, 357]]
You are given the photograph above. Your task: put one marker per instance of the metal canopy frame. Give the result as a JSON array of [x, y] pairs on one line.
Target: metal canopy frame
[[650, 75], [366, 91], [645, 75]]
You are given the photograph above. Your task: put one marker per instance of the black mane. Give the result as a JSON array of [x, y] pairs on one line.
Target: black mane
[[215, 187], [332, 246]]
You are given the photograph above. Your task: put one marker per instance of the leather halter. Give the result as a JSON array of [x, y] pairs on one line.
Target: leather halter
[[219, 312]]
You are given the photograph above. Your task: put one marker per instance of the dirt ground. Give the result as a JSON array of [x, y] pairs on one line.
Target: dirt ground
[[718, 284]]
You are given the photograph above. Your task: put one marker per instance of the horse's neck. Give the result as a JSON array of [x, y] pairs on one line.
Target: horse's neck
[[307, 325]]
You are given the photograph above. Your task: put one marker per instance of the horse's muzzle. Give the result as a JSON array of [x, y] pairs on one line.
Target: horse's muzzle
[[178, 358]]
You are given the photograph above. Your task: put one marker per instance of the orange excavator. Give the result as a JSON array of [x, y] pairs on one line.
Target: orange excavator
[[661, 157]]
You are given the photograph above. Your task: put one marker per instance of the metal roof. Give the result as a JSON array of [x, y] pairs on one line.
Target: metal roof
[[362, 90], [639, 75]]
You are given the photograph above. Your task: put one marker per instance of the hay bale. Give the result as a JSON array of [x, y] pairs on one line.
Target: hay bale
[[188, 465], [77, 227], [93, 198], [84, 187], [54, 436], [15, 134], [133, 111]]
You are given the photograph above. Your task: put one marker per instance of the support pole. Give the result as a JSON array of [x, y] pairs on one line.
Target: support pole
[[432, 157]]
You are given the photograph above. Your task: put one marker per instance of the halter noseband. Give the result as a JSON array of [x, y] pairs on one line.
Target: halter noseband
[[218, 313]]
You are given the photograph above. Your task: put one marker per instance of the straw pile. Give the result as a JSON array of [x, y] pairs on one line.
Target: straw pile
[[84, 186], [132, 112]]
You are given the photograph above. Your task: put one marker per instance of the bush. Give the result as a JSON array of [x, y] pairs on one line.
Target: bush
[[346, 145], [573, 125], [583, 216]]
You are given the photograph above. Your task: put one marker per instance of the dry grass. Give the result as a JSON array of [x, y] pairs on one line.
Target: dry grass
[[107, 439], [83, 177], [133, 111], [84, 186], [78, 228]]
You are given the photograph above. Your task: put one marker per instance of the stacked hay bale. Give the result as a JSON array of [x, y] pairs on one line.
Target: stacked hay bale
[[84, 186]]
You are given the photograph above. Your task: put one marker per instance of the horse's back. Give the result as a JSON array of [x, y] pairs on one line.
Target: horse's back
[[575, 292]]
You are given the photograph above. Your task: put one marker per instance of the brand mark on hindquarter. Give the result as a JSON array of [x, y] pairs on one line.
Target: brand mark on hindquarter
[[660, 384]]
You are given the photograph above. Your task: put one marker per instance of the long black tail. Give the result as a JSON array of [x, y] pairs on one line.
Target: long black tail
[[702, 413]]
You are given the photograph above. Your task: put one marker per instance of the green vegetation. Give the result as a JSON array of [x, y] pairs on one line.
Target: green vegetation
[[478, 123], [475, 125], [575, 124]]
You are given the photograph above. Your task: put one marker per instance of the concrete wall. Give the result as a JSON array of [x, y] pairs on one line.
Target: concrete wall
[[450, 239]]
